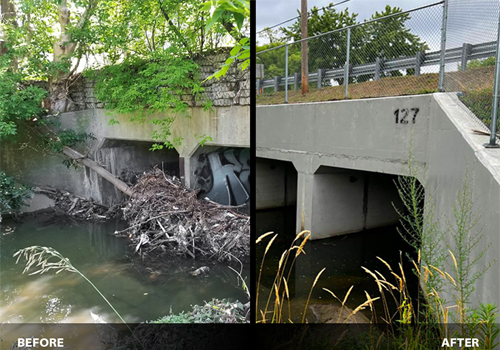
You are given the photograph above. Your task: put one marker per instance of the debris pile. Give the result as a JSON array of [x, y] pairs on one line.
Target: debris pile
[[78, 207], [165, 215]]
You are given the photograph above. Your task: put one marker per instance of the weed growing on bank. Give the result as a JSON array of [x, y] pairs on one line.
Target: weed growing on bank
[[42, 258], [448, 271], [214, 311]]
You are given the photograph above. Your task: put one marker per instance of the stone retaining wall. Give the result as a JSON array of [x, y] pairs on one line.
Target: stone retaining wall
[[233, 89]]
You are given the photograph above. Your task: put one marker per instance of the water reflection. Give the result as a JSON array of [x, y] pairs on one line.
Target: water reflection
[[342, 256], [138, 292]]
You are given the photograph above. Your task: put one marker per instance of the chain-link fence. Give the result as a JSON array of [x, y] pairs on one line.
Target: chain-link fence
[[392, 55], [471, 44], [450, 46]]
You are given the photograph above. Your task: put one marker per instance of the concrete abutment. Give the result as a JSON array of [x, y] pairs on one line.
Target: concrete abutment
[[367, 137]]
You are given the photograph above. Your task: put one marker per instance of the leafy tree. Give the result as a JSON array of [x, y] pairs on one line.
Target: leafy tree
[[387, 39], [227, 12], [141, 53], [328, 51]]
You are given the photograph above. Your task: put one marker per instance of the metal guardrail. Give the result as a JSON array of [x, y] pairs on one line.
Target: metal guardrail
[[465, 31], [422, 59]]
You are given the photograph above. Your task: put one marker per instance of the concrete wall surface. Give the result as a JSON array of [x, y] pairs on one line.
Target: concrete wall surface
[[364, 135], [125, 146]]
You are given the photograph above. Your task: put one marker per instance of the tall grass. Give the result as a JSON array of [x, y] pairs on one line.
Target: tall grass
[[416, 319], [43, 258]]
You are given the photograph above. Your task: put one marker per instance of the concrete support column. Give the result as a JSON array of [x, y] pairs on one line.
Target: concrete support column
[[305, 191], [187, 164]]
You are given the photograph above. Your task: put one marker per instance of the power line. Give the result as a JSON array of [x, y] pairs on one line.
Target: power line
[[296, 17]]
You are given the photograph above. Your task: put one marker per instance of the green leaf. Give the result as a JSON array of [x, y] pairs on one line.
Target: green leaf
[[245, 64], [235, 50], [207, 6], [240, 18], [215, 17], [244, 55]]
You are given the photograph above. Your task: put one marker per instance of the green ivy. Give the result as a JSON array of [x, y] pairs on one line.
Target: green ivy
[[142, 87]]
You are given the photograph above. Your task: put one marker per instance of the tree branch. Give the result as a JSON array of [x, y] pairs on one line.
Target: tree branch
[[174, 28]]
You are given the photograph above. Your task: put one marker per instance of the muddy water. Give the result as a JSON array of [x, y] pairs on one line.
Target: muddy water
[[342, 256], [138, 293]]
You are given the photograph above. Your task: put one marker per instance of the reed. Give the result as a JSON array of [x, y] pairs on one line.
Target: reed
[[43, 258]]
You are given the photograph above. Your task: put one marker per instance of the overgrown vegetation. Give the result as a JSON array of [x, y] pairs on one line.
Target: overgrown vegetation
[[480, 102], [140, 87], [140, 52], [214, 311]]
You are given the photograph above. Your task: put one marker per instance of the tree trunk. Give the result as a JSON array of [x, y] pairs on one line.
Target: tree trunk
[[80, 158], [8, 16]]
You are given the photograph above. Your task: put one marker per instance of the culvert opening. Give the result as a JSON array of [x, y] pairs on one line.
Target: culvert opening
[[128, 160], [358, 209]]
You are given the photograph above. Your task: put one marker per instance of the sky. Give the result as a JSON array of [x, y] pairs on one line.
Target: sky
[[271, 12]]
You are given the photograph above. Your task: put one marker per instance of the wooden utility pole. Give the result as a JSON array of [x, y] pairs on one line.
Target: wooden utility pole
[[305, 61]]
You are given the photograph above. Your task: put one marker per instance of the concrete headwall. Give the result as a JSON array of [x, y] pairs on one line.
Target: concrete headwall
[[364, 135], [126, 146], [360, 135]]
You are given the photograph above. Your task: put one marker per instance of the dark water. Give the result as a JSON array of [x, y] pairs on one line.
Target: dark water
[[342, 256], [137, 291]]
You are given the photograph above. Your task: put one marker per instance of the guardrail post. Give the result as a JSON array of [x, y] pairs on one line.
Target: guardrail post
[[347, 62], [277, 80], [466, 51], [320, 78], [379, 63], [286, 73], [494, 112], [418, 63], [443, 46], [295, 81]]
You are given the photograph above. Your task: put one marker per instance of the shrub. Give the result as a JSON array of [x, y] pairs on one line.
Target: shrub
[[12, 195]]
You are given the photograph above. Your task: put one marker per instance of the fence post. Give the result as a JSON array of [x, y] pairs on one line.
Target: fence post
[[295, 81], [286, 73], [418, 63], [258, 86], [443, 46], [494, 112], [466, 50], [347, 62], [320, 78]]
